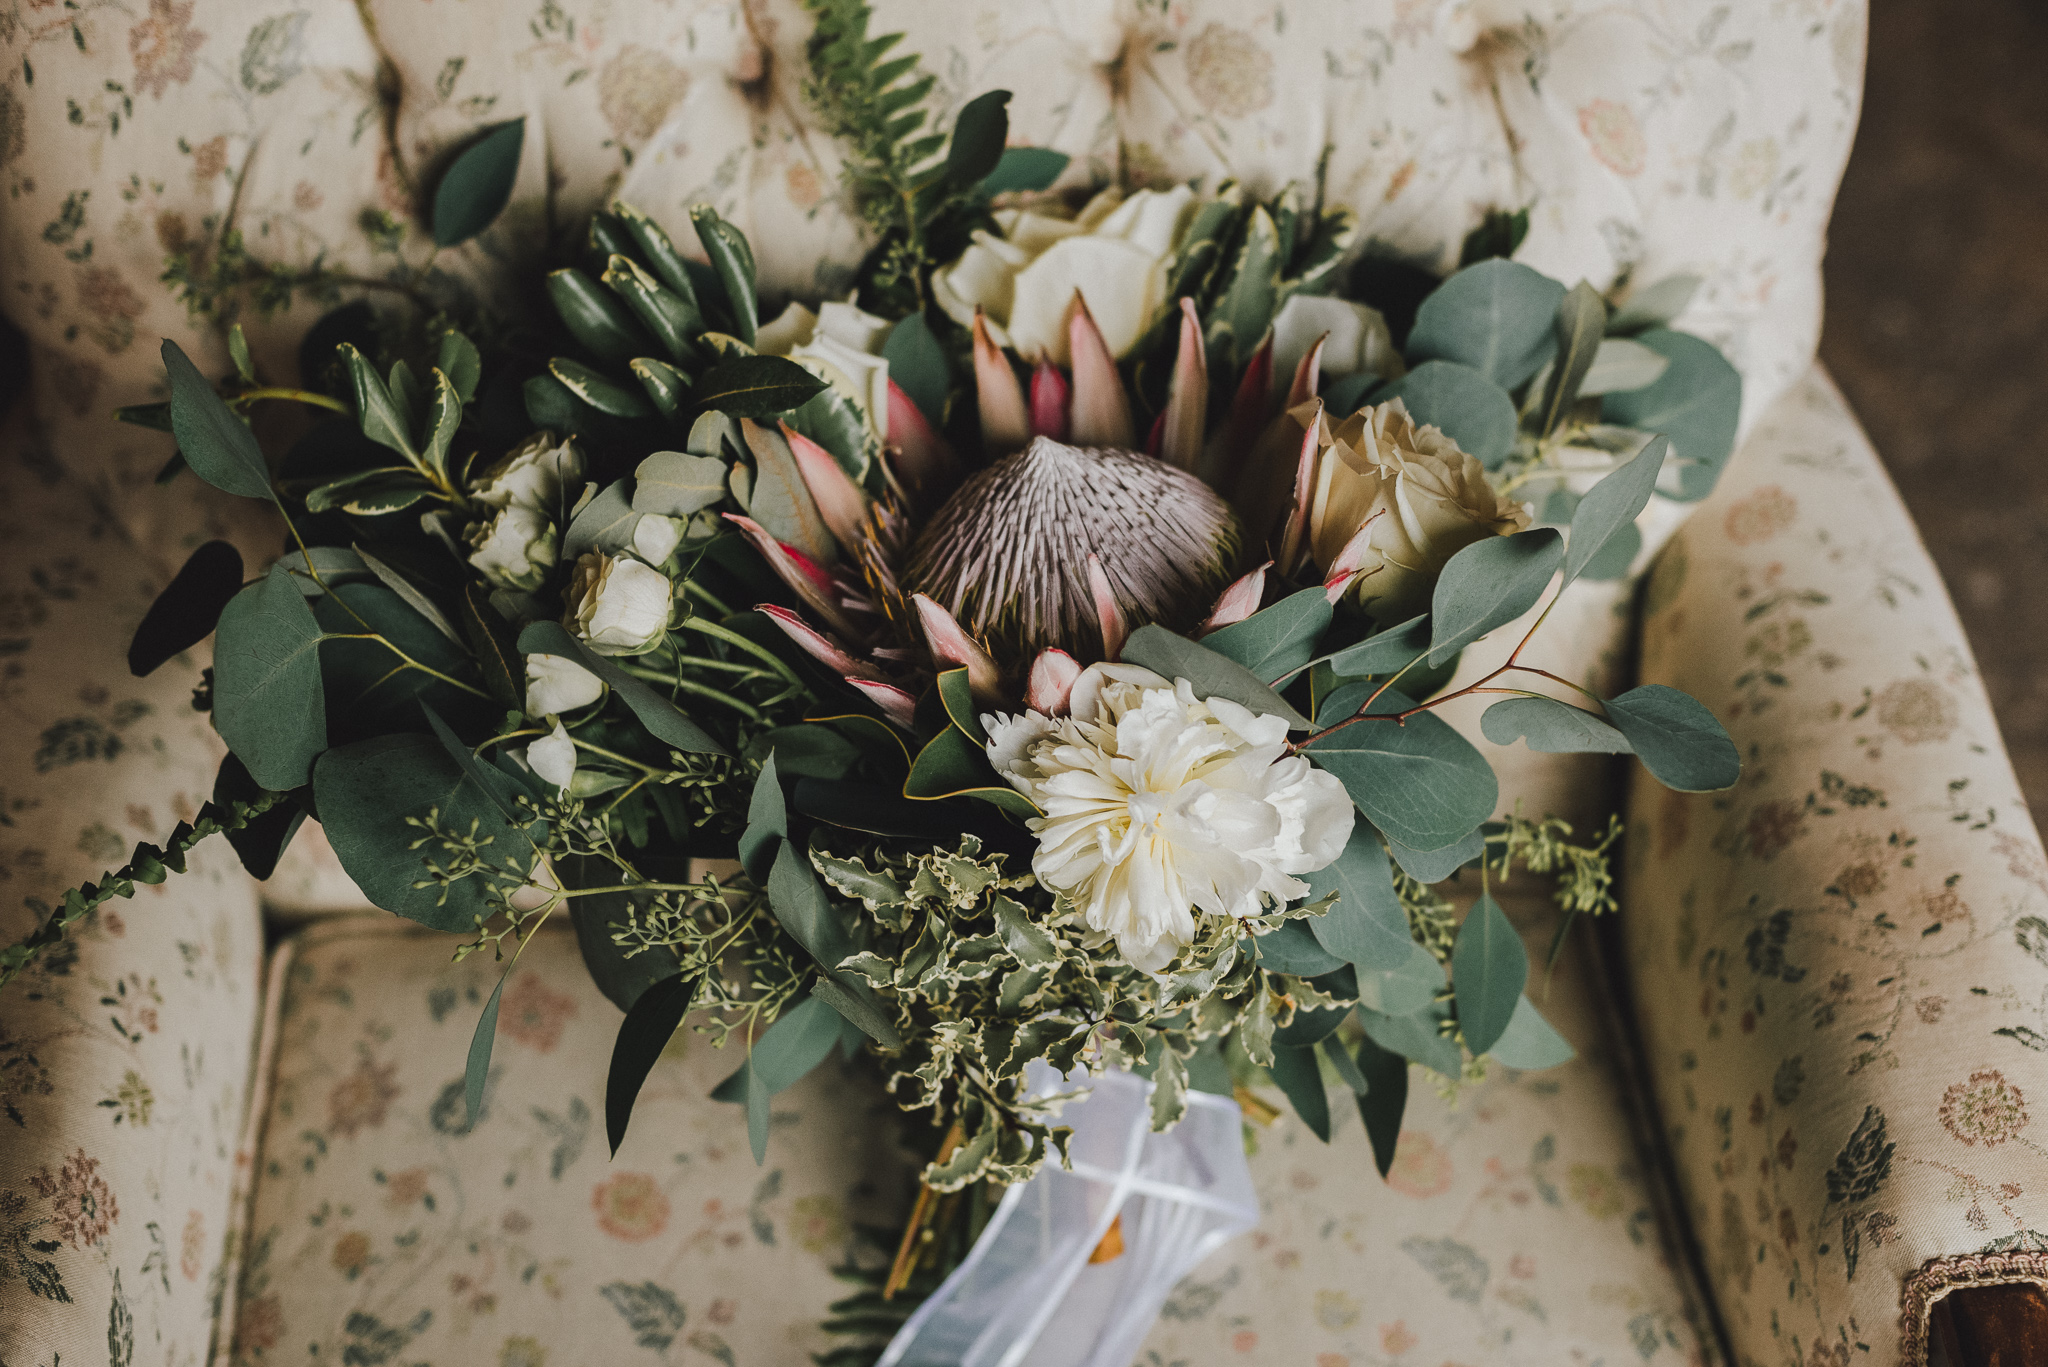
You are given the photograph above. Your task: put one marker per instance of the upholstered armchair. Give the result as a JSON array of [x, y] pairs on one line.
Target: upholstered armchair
[[231, 1114]]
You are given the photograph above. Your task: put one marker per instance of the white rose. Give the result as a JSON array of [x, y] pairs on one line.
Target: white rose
[[1159, 805], [1414, 497], [1354, 338], [515, 549], [533, 476], [841, 345], [1115, 252], [619, 606], [553, 757], [655, 538], [556, 683]]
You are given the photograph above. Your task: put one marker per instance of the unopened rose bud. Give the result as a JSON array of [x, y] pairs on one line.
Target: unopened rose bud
[[556, 683], [618, 605]]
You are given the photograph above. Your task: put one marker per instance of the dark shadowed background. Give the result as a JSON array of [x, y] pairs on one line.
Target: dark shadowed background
[[1937, 319]]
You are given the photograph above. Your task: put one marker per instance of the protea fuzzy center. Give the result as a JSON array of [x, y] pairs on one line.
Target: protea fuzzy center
[[1008, 553]]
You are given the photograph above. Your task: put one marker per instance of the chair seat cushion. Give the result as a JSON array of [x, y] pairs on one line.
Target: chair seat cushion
[[382, 1227]]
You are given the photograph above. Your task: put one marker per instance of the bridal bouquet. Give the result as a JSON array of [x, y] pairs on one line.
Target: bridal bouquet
[[1033, 659]]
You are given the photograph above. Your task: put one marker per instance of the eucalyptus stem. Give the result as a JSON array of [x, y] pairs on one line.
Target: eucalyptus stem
[[733, 638], [305, 396]]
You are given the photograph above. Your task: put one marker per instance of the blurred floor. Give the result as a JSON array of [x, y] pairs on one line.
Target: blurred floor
[[1937, 319]]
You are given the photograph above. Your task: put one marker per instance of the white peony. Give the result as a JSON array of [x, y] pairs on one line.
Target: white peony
[[618, 605], [556, 683], [1115, 252], [1159, 805], [553, 757]]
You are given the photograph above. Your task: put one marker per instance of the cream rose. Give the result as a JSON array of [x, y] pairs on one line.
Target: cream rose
[[1115, 252], [618, 605], [1160, 806], [533, 476], [515, 548], [840, 344], [556, 683], [1391, 501]]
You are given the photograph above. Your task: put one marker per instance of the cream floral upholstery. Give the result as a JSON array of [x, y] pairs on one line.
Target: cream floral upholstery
[[1839, 965]]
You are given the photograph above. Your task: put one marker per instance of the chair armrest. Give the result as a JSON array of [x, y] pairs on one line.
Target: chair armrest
[[1841, 965], [125, 1051]]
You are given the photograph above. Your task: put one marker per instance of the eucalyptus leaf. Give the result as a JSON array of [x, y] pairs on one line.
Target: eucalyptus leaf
[[767, 824], [1210, 674], [1695, 402], [1275, 641], [1531, 1042], [605, 523], [476, 1070], [262, 842], [268, 703], [917, 363], [370, 793], [1385, 652], [643, 1035], [1655, 305], [1677, 738], [218, 446], [1581, 319], [1366, 926], [1384, 1101], [676, 484], [1489, 584], [1552, 728], [1292, 948], [1296, 1072], [410, 595], [1419, 781], [800, 1038], [478, 184], [1496, 316], [185, 613], [1489, 967], [1415, 1036], [1622, 364], [1433, 866], [1612, 504], [1471, 409]]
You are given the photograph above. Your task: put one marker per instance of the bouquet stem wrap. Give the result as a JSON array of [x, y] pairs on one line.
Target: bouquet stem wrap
[[1028, 1294]]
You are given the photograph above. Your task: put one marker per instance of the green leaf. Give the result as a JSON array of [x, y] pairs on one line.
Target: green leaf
[[1310, 1028], [478, 184], [659, 252], [1385, 652], [495, 645], [1489, 967], [1530, 1042], [495, 784], [1419, 781], [1489, 584], [767, 824], [1495, 317], [1616, 557], [979, 132], [621, 977], [1405, 989], [599, 390], [370, 793], [1433, 866], [379, 414], [952, 765], [1297, 1073], [1655, 305], [1613, 504], [1677, 738], [643, 1035], [605, 523], [800, 1039], [1367, 926], [1293, 948], [410, 595], [1499, 233], [185, 613], [1696, 403], [1581, 319], [268, 704], [1552, 728], [458, 360], [733, 260], [917, 363], [1241, 317], [263, 841], [595, 317], [477, 1069], [218, 446], [663, 720], [858, 1006], [1022, 937], [1621, 364], [238, 352], [672, 319], [838, 424], [447, 418], [807, 751], [156, 417], [802, 909], [758, 387], [668, 387], [958, 699], [1210, 674], [1472, 410], [1414, 1036], [1384, 1101], [1023, 168], [1275, 641]]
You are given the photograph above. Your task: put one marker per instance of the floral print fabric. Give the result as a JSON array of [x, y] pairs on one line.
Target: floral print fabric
[[1841, 963], [124, 1053]]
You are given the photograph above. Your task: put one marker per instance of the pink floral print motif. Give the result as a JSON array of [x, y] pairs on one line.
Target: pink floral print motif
[[163, 46], [82, 1206], [533, 1014], [630, 1206], [1616, 137], [1984, 1109], [362, 1099]]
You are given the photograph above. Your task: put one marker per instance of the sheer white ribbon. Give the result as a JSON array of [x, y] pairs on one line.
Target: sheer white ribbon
[[1027, 1296]]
